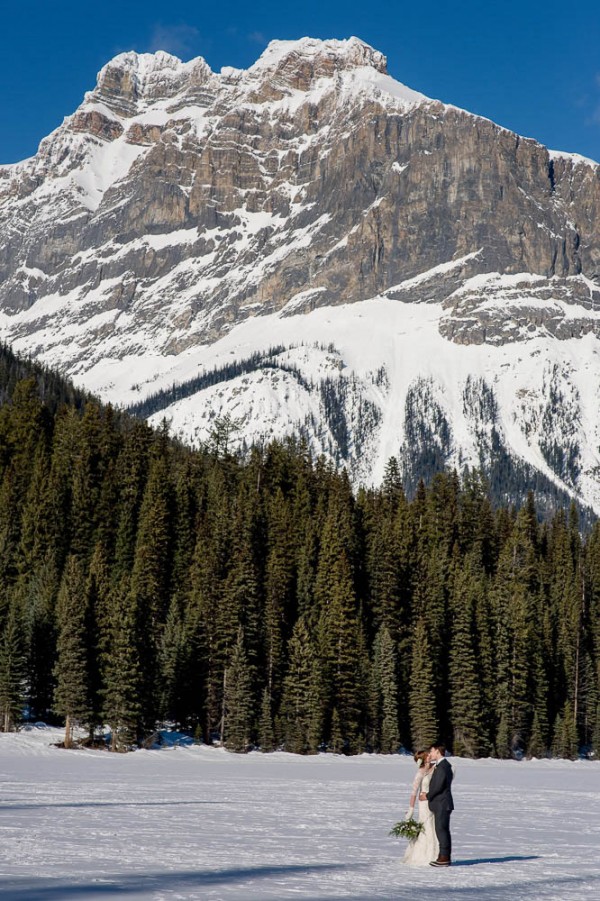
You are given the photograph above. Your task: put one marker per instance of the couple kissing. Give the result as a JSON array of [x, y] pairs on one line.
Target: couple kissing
[[432, 785]]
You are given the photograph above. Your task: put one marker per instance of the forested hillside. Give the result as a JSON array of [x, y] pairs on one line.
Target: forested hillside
[[258, 601]]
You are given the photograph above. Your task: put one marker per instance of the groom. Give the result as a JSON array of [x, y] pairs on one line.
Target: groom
[[439, 798]]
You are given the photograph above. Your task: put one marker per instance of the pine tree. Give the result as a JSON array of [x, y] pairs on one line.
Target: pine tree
[[538, 740], [207, 613], [384, 693], [433, 608], [338, 541], [54, 519], [171, 656], [34, 537], [392, 482], [433, 541], [301, 708], [9, 526], [516, 587], [99, 593], [192, 667], [592, 558], [503, 737], [131, 477], [423, 716], [306, 567], [12, 668], [237, 701], [27, 423], [71, 695], [565, 733], [107, 513], [569, 605], [596, 735], [339, 651], [266, 736], [122, 673], [339, 626], [337, 740], [224, 436], [150, 578], [241, 602], [484, 642], [40, 593], [95, 452], [386, 577], [279, 592], [477, 529], [183, 529], [538, 744], [465, 685]]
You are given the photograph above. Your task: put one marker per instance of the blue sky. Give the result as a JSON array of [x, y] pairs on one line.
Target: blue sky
[[531, 66]]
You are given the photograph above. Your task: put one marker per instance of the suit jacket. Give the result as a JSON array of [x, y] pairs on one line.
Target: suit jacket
[[439, 796]]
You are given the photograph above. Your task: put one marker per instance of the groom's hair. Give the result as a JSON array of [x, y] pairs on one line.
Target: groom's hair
[[440, 746]]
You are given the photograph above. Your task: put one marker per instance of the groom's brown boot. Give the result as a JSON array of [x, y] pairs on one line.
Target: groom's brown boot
[[440, 862]]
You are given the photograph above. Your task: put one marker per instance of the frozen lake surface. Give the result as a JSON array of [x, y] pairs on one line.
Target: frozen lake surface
[[199, 823]]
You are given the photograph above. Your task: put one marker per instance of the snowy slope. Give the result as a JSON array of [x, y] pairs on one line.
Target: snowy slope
[[200, 823], [379, 351]]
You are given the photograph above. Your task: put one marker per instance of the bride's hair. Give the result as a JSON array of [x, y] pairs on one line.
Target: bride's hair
[[420, 756]]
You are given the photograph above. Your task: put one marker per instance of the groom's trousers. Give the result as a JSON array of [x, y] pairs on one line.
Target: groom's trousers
[[442, 830]]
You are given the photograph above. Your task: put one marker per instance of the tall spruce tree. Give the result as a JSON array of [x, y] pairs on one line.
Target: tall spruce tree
[[131, 476], [301, 705], [514, 594], [40, 591], [339, 644], [241, 602], [384, 694], [12, 666], [266, 732], [423, 690], [237, 700], [208, 616], [71, 694], [150, 579], [465, 680], [565, 733], [122, 692], [170, 653], [279, 592], [33, 546], [98, 628]]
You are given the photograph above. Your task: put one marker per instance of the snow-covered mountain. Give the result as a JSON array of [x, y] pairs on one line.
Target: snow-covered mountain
[[312, 247]]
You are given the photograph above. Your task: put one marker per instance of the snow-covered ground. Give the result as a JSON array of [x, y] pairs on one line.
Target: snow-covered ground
[[199, 823]]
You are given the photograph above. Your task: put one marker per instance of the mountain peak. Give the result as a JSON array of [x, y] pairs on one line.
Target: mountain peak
[[131, 77], [324, 55]]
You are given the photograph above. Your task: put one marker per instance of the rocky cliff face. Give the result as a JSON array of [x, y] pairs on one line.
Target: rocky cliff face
[[177, 204]]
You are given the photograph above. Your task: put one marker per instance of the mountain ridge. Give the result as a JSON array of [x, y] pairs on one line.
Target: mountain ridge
[[181, 216]]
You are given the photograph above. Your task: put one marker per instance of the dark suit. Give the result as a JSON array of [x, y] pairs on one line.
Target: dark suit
[[441, 804]]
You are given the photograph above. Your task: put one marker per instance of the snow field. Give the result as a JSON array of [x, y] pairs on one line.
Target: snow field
[[200, 823]]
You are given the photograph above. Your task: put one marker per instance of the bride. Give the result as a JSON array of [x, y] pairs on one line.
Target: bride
[[425, 848]]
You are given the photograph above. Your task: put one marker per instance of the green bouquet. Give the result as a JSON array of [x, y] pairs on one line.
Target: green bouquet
[[409, 829]]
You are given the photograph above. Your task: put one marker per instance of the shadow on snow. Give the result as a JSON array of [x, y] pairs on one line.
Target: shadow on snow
[[39, 889], [514, 858], [41, 805]]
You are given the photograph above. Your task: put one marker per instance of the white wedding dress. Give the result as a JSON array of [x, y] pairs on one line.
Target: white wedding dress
[[425, 848]]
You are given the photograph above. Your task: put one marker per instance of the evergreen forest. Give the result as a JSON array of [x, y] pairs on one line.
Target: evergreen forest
[[258, 601]]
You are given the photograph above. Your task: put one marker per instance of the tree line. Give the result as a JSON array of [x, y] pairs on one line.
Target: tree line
[[259, 601]]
